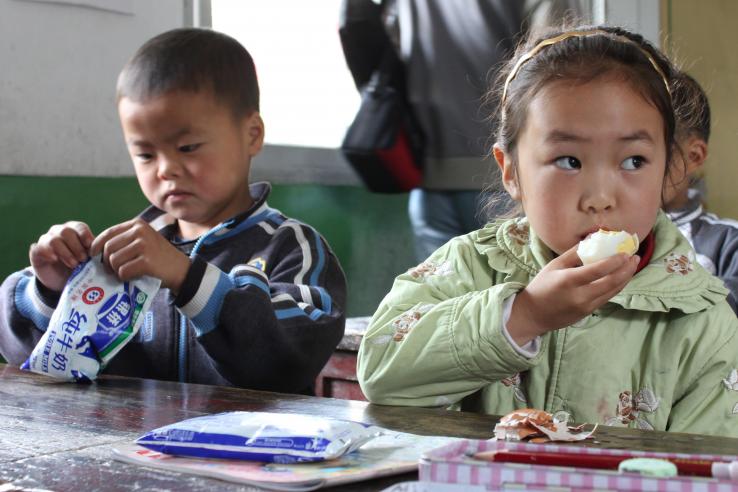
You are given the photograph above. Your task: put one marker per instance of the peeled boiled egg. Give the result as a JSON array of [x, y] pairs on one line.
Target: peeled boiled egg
[[604, 243]]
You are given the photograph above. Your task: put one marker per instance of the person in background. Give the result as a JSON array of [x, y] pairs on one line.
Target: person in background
[[715, 240], [508, 317], [248, 297], [450, 49]]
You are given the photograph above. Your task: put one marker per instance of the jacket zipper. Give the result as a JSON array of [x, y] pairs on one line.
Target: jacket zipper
[[182, 355]]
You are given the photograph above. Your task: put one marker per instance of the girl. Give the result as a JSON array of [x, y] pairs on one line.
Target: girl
[[507, 317]]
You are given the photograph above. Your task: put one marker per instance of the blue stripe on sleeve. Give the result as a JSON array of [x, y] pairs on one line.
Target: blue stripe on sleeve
[[321, 259], [25, 304], [207, 319], [268, 214], [325, 299], [242, 280], [290, 313], [296, 312]]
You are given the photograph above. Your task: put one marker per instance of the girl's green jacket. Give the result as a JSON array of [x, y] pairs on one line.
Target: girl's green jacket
[[662, 354]]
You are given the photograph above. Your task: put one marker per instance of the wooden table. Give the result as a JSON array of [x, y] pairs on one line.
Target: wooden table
[[57, 436]]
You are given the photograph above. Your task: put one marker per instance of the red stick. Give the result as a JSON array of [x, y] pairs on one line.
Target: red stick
[[702, 468]]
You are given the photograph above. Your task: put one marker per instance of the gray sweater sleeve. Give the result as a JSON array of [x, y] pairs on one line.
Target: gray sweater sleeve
[[727, 265], [25, 309]]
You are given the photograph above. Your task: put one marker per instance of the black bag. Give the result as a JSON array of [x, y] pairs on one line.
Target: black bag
[[384, 143]]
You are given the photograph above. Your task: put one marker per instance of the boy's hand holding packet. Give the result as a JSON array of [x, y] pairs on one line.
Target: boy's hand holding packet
[[104, 297], [131, 249]]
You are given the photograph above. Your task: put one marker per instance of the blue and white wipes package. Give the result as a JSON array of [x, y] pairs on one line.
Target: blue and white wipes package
[[260, 436], [96, 316]]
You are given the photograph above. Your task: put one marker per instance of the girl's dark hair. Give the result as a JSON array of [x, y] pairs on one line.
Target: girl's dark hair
[[612, 51], [191, 59], [691, 107]]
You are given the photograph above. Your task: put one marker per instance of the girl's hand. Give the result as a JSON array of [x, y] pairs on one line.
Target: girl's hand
[[59, 251], [133, 248], [564, 292]]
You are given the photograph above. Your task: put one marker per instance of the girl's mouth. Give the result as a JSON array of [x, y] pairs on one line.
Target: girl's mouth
[[594, 229]]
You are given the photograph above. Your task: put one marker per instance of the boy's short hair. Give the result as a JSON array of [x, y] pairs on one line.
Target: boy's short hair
[[691, 107], [191, 59]]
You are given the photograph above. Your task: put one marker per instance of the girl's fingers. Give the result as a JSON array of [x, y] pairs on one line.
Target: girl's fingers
[[599, 269], [604, 298], [568, 259], [609, 285]]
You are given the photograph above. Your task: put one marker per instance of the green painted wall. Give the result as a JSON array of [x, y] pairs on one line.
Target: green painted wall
[[369, 233]]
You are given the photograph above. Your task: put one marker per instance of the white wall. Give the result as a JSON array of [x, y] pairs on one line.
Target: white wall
[[59, 60], [58, 67]]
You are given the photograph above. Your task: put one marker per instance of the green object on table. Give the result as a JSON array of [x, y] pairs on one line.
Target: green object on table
[[651, 467]]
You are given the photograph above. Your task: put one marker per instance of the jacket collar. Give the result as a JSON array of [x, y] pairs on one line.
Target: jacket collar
[[167, 225], [690, 211]]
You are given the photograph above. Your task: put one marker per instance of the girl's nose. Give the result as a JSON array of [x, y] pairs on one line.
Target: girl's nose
[[598, 202], [599, 194]]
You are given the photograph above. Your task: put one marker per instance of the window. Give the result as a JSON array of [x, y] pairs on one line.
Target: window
[[307, 95]]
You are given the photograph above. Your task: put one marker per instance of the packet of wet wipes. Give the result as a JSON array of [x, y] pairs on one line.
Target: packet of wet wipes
[[260, 436], [96, 316]]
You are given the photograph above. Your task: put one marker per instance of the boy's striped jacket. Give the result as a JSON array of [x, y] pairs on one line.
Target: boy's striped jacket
[[262, 307], [714, 239]]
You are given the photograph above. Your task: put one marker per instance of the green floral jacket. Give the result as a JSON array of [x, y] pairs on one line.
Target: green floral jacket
[[662, 354]]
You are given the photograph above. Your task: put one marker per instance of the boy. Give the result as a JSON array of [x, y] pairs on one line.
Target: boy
[[249, 297], [715, 240]]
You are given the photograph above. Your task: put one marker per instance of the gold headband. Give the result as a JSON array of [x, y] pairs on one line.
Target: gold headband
[[578, 34]]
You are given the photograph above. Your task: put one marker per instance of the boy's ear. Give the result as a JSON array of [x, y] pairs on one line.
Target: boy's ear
[[253, 129], [507, 172], [695, 154]]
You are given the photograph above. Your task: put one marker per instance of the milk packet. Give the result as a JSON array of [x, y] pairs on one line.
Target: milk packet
[[260, 436], [96, 316]]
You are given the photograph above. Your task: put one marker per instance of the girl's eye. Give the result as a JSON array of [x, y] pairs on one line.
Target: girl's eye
[[144, 157], [189, 148], [568, 162], [633, 163]]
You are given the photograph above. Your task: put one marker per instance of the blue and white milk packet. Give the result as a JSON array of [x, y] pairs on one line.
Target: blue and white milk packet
[[96, 316], [260, 436]]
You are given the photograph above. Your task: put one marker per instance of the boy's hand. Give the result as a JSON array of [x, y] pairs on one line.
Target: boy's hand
[[564, 292], [134, 248], [58, 251]]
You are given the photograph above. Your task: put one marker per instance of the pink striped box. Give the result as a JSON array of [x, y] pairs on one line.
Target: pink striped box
[[453, 464]]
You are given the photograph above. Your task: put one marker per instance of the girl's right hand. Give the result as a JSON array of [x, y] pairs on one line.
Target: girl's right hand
[[564, 292], [59, 251]]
